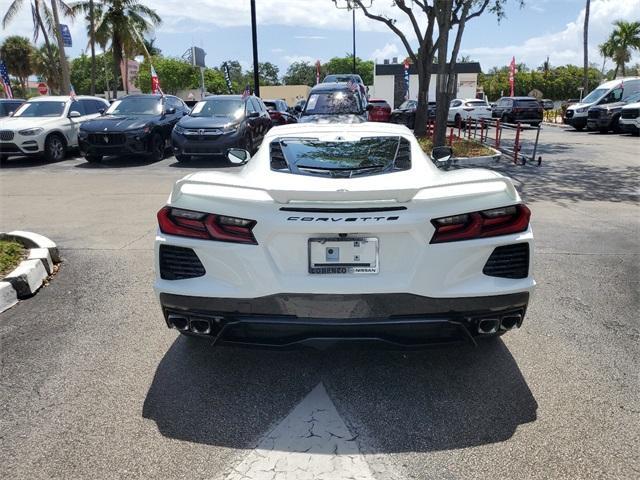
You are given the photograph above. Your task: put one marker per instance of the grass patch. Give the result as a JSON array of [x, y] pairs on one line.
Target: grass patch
[[11, 253], [462, 147]]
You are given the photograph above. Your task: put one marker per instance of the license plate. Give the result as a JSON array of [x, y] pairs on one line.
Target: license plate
[[343, 255]]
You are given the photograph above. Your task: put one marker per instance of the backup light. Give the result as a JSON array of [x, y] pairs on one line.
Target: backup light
[[482, 224], [206, 226]]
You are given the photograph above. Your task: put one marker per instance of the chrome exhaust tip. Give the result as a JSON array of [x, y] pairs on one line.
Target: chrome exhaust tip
[[201, 326], [178, 322], [488, 325], [510, 321]]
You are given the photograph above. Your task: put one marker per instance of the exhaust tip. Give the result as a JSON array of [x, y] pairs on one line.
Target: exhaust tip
[[488, 325], [200, 326], [178, 322], [510, 321]]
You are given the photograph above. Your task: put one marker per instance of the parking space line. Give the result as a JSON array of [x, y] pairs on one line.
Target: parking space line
[[311, 442]]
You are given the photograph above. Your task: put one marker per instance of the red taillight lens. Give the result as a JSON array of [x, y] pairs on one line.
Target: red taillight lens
[[207, 226], [487, 223]]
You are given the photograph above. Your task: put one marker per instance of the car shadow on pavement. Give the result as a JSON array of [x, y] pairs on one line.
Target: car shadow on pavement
[[200, 163], [29, 162], [402, 401], [125, 161]]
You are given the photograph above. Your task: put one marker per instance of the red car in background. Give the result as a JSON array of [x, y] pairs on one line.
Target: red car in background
[[380, 111], [279, 112]]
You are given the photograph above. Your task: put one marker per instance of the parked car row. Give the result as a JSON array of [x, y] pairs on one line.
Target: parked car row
[[614, 105]]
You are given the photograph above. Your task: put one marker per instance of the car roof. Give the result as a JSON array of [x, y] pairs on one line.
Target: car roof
[[377, 100], [616, 82], [145, 95], [330, 87], [2, 100], [521, 98], [226, 97], [62, 98]]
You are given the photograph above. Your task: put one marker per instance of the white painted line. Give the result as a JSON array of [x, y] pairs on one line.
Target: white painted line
[[311, 443]]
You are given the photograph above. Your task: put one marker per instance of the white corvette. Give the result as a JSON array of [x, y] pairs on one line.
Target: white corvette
[[343, 232]]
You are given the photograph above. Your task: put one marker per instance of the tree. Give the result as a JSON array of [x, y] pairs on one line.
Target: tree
[[300, 73], [623, 40], [345, 65], [267, 72], [447, 14], [16, 52], [64, 65], [46, 64], [585, 47], [81, 73], [174, 75], [214, 81], [121, 24]]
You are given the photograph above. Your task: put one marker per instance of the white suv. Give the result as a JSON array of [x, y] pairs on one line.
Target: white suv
[[47, 126], [630, 118]]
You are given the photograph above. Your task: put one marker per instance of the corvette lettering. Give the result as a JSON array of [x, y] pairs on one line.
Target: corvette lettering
[[342, 219]]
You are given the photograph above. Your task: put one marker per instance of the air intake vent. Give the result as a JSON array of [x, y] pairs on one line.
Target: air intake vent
[[277, 158], [178, 263], [403, 157], [509, 261]]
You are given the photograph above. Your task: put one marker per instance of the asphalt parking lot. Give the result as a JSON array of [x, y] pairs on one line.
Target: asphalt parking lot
[[93, 385]]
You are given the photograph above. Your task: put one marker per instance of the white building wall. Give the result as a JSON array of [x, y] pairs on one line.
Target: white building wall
[[383, 87]]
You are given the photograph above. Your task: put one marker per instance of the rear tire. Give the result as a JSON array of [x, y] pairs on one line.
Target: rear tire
[[54, 148], [3, 158], [93, 158], [183, 158], [534, 124], [504, 118], [603, 130], [156, 147], [578, 127]]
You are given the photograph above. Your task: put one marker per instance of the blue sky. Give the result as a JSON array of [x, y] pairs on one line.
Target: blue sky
[[292, 30]]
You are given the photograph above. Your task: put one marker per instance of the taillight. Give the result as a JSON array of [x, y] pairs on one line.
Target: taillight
[[486, 223], [207, 226]]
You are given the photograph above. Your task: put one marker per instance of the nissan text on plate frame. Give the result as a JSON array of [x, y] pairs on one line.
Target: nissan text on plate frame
[[334, 233]]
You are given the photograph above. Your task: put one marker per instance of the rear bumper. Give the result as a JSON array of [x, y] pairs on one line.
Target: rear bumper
[[396, 319], [598, 123]]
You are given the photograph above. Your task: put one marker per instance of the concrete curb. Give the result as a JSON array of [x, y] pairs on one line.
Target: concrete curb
[[25, 280], [558, 125]]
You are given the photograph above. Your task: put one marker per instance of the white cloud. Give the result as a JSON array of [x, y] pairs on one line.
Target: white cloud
[[389, 51], [289, 59], [564, 46]]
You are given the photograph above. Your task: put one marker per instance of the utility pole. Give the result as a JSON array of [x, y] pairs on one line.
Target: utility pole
[[93, 48], [254, 37], [66, 81], [352, 5], [353, 11]]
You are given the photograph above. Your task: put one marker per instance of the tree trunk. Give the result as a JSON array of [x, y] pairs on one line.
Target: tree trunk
[[116, 49], [585, 45], [422, 109], [47, 44], [443, 15], [93, 48], [66, 81]]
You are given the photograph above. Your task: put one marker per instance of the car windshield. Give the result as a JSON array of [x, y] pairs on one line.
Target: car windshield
[[40, 109], [367, 156], [136, 106], [219, 108], [633, 98], [333, 103], [595, 95], [408, 104]]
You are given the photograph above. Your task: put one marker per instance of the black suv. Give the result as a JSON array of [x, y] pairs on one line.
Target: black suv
[[518, 110], [606, 116], [9, 105], [405, 114], [338, 102], [220, 122], [134, 124]]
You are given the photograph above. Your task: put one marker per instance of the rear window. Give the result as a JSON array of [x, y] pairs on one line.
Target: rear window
[[333, 103], [380, 103], [341, 159], [477, 103], [527, 104]]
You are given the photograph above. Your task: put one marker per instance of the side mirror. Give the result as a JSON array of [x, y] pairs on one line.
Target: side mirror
[[101, 111], [10, 114], [169, 111], [297, 108], [441, 154], [238, 156], [74, 114]]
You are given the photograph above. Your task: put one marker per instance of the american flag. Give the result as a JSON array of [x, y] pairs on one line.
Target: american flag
[[6, 83], [353, 86], [246, 92], [72, 92], [155, 82]]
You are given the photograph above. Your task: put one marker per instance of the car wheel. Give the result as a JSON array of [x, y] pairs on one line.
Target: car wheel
[[504, 118], [578, 127], [457, 120], [603, 130], [534, 124], [183, 158], [54, 148], [93, 158], [156, 147], [3, 158]]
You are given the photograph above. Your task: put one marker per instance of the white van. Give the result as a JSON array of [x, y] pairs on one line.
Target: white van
[[609, 92], [630, 118]]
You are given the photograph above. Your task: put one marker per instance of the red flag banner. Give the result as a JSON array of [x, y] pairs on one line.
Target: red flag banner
[[155, 82], [317, 72], [512, 75]]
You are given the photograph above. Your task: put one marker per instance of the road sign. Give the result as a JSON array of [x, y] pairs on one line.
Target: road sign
[[43, 89], [66, 35]]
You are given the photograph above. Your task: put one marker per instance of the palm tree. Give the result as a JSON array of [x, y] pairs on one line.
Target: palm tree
[[46, 64], [585, 46], [623, 40], [121, 24]]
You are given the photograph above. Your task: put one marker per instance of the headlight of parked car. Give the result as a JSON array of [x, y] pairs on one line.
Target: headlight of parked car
[[140, 131], [582, 110], [31, 131], [230, 127], [178, 129]]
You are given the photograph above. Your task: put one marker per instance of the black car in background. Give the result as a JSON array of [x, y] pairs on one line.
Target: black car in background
[[135, 124], [518, 110], [9, 105], [220, 122], [405, 114], [606, 116], [279, 112], [335, 103]]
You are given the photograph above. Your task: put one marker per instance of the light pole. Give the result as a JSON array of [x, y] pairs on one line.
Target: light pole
[[254, 37], [352, 5]]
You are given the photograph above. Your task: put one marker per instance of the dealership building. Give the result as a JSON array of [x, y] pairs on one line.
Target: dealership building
[[388, 82]]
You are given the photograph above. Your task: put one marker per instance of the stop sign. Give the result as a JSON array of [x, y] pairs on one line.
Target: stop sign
[[42, 88]]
